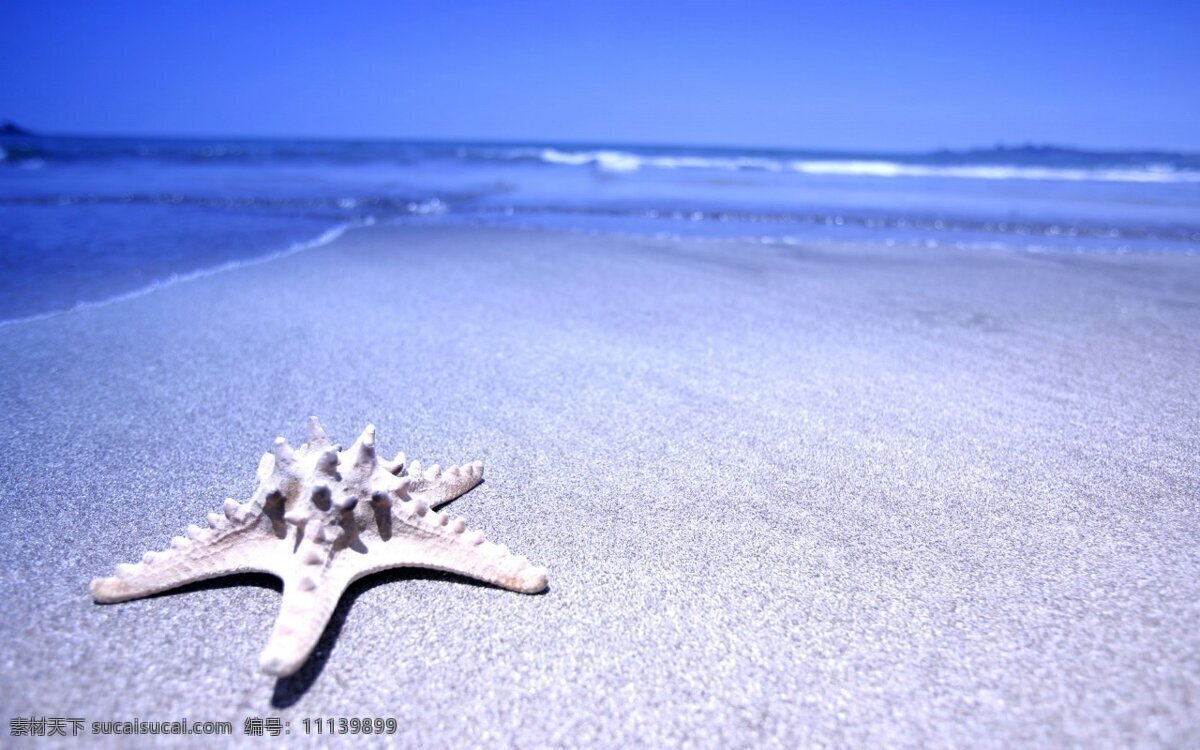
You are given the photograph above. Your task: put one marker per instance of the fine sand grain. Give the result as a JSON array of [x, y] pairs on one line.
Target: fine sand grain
[[787, 496]]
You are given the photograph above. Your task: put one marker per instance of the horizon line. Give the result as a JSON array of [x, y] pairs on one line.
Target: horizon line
[[1018, 145]]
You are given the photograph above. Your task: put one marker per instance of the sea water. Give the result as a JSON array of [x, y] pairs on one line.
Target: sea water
[[89, 220]]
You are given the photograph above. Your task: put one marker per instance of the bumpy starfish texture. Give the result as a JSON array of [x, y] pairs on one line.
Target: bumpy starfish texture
[[320, 519]]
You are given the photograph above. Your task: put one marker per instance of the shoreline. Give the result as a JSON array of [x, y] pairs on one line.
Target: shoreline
[[787, 494], [326, 237]]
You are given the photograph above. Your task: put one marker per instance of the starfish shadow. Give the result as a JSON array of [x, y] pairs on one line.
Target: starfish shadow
[[289, 690]]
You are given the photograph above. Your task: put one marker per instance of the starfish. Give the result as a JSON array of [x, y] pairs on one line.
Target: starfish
[[320, 519]]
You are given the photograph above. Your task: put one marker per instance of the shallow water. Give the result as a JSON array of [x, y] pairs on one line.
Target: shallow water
[[83, 220]]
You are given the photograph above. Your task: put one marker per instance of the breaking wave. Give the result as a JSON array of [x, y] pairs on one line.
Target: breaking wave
[[627, 161]]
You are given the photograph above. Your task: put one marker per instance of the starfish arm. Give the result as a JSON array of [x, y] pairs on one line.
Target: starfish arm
[[436, 486], [308, 603], [466, 554], [204, 554]]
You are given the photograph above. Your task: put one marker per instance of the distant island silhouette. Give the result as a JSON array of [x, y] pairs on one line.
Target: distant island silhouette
[[11, 128]]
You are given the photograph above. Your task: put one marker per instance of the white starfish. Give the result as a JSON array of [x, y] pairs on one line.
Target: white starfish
[[320, 519]]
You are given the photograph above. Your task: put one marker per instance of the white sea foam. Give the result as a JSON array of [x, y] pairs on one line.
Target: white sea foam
[[431, 206], [624, 161], [615, 161], [323, 239], [1156, 173]]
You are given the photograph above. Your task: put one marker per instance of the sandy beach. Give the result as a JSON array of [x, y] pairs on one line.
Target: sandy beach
[[788, 496]]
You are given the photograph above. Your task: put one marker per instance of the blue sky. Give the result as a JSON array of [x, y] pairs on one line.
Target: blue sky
[[877, 75]]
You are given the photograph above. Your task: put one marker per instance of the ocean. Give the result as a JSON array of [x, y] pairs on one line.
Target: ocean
[[84, 221]]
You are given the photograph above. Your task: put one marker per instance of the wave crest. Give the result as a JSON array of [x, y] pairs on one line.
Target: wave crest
[[627, 161]]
